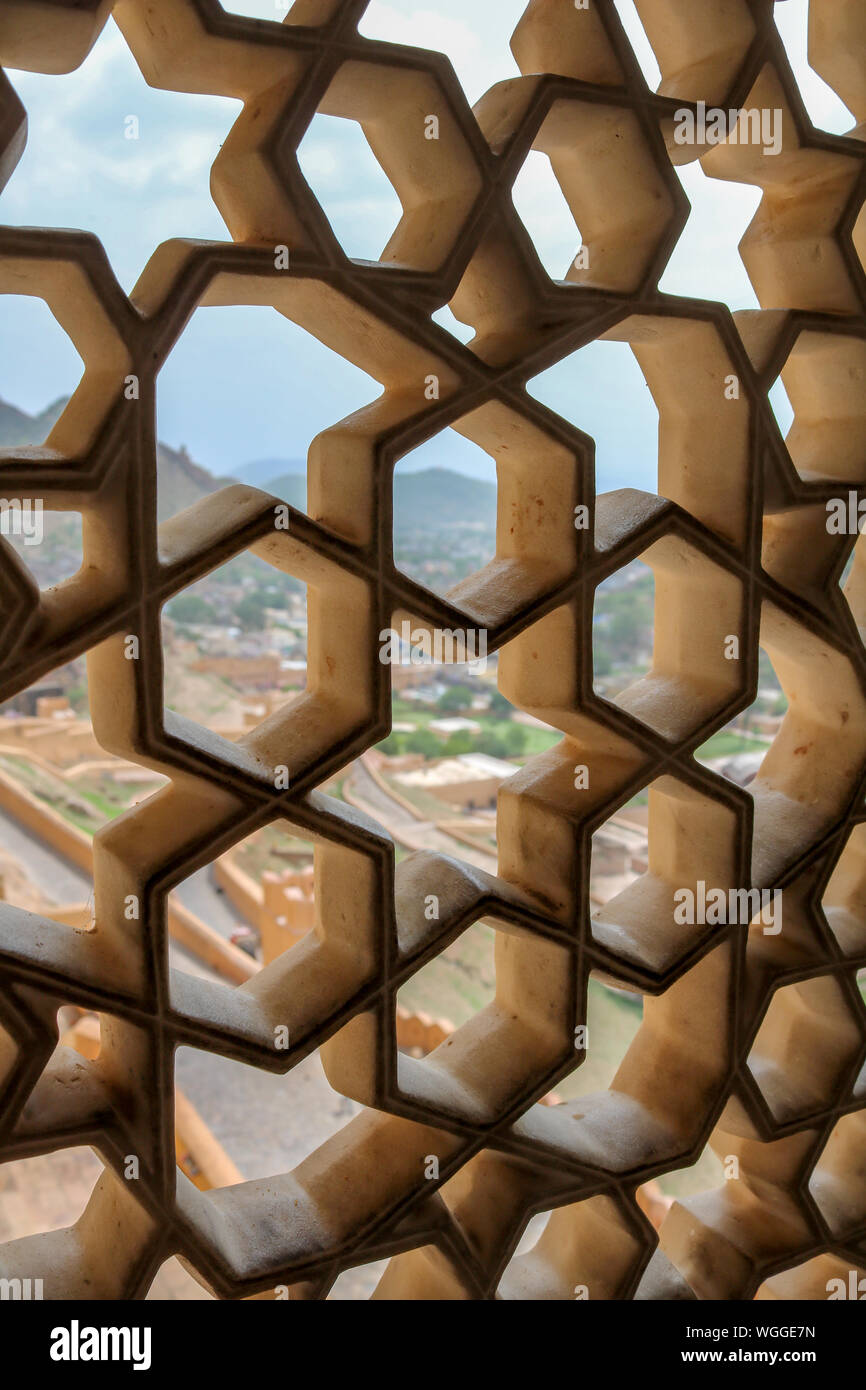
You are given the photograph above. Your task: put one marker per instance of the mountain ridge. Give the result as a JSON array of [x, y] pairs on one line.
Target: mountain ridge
[[427, 499]]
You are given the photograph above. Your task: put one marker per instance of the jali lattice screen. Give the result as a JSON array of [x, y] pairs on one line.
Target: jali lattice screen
[[750, 1040]]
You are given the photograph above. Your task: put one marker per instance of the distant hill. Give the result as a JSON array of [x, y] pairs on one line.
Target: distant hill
[[260, 471], [439, 497], [181, 480], [18, 429], [431, 499], [290, 487]]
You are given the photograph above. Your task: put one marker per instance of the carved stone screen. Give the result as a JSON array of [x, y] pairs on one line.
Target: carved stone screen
[[746, 930]]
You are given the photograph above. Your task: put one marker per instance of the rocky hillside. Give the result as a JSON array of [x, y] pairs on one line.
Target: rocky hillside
[[433, 507], [17, 428]]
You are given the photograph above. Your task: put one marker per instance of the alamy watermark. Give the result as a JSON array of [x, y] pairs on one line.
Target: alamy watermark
[[441, 646], [24, 519], [718, 906], [710, 125], [21, 1290], [854, 1289], [846, 516], [77, 1343]]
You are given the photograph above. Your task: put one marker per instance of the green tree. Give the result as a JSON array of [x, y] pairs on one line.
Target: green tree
[[422, 741], [461, 742], [601, 662], [499, 705], [626, 627], [455, 698], [492, 744], [191, 608], [77, 697], [516, 737], [250, 612]]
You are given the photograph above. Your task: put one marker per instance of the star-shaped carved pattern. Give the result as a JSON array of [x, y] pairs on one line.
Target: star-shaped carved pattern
[[753, 1043]]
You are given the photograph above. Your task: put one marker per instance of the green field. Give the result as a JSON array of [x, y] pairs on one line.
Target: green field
[[727, 744], [537, 740]]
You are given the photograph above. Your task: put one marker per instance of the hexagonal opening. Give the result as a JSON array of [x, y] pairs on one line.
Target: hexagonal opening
[[329, 713], [445, 511], [668, 863], [350, 184], [623, 628], [804, 1049], [455, 740], [541, 207], [824, 106], [247, 418], [737, 750], [696, 616], [421, 146], [36, 354], [260, 895], [235, 646], [476, 41], [235, 1123], [719, 214], [448, 1078], [149, 150], [447, 991], [612, 1021], [537, 488], [602, 390], [623, 199], [640, 44], [292, 913]]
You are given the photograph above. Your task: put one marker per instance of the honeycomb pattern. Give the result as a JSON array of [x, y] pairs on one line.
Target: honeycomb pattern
[[750, 1041]]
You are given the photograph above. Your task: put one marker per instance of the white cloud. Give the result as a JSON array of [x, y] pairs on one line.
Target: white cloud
[[825, 108], [79, 171], [476, 45]]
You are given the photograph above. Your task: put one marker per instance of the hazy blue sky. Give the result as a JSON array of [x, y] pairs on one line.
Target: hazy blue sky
[[245, 384]]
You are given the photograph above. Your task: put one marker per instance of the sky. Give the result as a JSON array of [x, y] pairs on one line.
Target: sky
[[244, 384]]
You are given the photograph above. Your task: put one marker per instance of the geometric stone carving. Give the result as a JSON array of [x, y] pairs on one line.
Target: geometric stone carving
[[751, 1042]]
